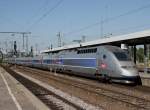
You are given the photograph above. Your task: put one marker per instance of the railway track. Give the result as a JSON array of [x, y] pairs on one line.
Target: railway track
[[52, 100], [108, 97]]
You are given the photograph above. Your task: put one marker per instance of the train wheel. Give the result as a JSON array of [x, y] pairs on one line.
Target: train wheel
[[106, 79]]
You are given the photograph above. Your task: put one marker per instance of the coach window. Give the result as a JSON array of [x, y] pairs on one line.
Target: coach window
[[92, 50], [84, 51], [80, 51], [89, 50]]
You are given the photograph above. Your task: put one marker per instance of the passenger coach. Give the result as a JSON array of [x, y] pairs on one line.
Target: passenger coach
[[109, 63]]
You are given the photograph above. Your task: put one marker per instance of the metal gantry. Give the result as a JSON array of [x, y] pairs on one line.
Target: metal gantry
[[23, 37]]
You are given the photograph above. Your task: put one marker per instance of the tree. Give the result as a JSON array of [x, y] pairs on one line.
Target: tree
[[140, 55]]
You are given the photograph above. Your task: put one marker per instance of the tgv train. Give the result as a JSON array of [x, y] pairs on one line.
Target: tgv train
[[109, 63]]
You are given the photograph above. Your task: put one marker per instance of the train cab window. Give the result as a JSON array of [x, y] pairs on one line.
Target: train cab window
[[122, 56]]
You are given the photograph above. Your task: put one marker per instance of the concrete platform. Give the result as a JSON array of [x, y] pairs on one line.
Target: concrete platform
[[14, 96], [145, 78]]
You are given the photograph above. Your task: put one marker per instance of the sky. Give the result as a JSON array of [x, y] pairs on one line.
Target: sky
[[94, 19]]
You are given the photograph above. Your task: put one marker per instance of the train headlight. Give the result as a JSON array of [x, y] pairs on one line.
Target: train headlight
[[103, 66], [129, 72]]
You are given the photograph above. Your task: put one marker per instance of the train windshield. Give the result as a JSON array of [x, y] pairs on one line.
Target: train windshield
[[122, 56]]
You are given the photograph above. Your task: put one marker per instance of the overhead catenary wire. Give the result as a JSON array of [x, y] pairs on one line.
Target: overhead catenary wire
[[45, 14], [108, 20], [133, 27], [42, 8]]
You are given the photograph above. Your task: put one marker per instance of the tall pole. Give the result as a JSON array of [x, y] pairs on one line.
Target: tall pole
[[36, 48], [59, 39], [83, 38], [101, 27], [27, 44], [134, 52], [51, 47], [23, 35], [23, 39], [6, 46], [145, 58]]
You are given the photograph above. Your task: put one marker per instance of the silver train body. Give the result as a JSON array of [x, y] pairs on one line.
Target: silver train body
[[109, 63]]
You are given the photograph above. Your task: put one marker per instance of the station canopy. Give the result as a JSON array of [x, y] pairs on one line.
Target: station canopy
[[137, 38]]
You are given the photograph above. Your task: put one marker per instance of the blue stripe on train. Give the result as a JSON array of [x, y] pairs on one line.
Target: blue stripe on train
[[73, 62]]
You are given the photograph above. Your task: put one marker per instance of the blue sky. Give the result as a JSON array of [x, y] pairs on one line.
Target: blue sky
[[69, 17]]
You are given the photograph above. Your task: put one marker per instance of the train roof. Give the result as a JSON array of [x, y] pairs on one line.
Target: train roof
[[104, 41]]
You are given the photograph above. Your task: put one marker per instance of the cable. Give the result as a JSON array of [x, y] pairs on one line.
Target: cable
[[128, 13], [109, 19], [43, 7], [45, 14], [82, 29], [133, 28]]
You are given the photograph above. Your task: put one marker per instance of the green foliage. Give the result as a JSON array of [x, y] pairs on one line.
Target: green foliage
[[140, 55]]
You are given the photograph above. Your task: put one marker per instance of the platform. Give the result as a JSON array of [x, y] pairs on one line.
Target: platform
[[145, 78], [14, 96]]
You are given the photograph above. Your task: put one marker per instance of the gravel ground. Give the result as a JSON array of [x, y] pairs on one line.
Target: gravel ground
[[93, 98], [70, 98]]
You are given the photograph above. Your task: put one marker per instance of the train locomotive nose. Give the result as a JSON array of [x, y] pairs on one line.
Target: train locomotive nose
[[132, 76], [129, 71]]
